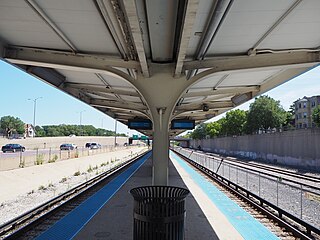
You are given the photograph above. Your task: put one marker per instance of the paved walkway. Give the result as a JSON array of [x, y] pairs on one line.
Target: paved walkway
[[21, 181]]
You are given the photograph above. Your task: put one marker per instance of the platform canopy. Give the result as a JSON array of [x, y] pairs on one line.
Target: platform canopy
[[107, 52]]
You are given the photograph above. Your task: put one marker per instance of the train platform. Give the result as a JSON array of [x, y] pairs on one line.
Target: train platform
[[108, 214]]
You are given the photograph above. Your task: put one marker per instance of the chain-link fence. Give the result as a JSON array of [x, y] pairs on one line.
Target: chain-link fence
[[28, 158], [300, 200]]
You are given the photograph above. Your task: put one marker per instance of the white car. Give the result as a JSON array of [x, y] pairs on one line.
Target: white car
[[94, 145]]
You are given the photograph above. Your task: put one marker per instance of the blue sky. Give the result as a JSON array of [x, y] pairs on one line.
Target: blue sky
[[56, 107], [306, 84]]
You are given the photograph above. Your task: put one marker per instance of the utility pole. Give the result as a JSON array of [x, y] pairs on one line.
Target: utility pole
[[115, 131], [81, 132], [34, 112]]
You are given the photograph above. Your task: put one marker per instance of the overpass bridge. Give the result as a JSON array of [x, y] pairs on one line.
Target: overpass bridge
[[161, 60]]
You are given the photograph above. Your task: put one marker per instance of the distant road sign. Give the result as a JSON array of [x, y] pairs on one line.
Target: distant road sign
[[135, 137]]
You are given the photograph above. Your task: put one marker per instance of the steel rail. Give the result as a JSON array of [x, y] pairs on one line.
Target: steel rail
[[273, 169], [276, 213], [22, 223], [298, 182]]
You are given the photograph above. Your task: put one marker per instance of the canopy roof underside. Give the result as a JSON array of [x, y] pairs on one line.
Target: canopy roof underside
[[95, 50]]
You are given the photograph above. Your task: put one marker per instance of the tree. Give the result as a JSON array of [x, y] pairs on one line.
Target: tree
[[213, 129], [10, 125], [265, 113], [40, 131], [200, 132], [234, 122], [316, 116]]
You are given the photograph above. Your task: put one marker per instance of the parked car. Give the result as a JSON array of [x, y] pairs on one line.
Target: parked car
[[13, 148], [93, 145], [68, 146]]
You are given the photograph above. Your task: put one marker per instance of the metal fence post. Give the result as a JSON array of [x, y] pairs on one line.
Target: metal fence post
[[247, 180], [237, 175], [20, 165], [301, 201], [259, 184], [277, 191]]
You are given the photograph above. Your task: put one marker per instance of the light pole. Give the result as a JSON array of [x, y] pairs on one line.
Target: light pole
[[34, 112], [115, 131], [81, 121]]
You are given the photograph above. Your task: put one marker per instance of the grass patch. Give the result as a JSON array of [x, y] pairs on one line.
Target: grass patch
[[77, 173], [64, 179], [54, 159], [39, 159], [90, 169], [42, 187]]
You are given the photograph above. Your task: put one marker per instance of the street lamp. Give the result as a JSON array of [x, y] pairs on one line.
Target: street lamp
[[34, 111], [115, 131], [81, 121]]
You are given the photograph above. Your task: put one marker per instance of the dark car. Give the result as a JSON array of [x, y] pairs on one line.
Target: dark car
[[13, 148], [68, 146], [93, 145]]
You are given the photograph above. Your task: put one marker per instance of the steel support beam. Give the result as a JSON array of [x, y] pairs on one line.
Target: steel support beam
[[219, 64], [218, 91], [198, 106], [101, 89], [189, 20], [51, 76], [292, 7], [32, 56], [36, 8], [131, 9], [120, 105]]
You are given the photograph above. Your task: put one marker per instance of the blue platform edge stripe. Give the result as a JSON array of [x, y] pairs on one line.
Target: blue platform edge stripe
[[247, 226], [71, 224]]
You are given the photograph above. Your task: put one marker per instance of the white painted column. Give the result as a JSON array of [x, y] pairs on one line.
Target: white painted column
[[161, 92], [160, 151]]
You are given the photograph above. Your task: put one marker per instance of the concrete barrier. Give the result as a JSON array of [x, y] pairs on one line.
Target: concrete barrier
[[297, 148]]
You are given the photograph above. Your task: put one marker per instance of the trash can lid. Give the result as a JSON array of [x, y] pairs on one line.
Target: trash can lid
[[168, 192]]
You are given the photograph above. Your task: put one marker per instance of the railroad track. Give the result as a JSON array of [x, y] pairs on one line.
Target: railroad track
[[286, 222], [312, 179], [32, 223]]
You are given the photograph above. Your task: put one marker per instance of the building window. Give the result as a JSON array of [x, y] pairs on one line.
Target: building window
[[313, 104], [300, 125], [299, 115], [299, 105], [304, 105], [304, 115]]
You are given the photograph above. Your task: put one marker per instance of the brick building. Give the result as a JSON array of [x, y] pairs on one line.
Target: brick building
[[303, 111]]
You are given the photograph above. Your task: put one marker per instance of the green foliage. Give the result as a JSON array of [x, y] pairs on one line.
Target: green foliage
[[54, 159], [10, 125], [89, 169], [64, 179], [67, 130], [39, 159], [41, 187], [265, 113], [316, 116], [77, 173], [213, 129], [234, 122], [40, 132], [289, 122], [199, 132]]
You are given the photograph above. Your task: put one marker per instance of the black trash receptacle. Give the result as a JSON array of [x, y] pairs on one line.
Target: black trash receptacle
[[159, 212]]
